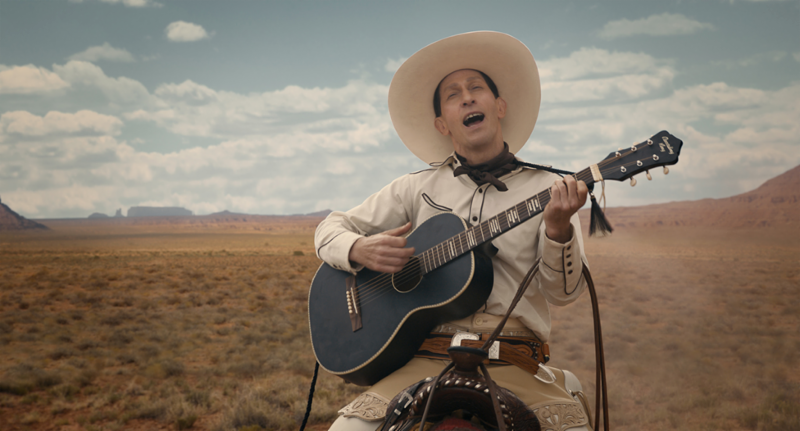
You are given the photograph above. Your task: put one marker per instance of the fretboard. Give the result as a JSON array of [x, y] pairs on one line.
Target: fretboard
[[479, 234]]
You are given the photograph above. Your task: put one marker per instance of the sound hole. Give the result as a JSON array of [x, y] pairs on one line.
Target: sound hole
[[409, 277]]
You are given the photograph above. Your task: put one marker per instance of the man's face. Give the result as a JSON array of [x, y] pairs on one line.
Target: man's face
[[470, 112]]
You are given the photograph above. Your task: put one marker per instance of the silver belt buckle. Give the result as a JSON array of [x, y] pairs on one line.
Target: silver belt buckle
[[494, 350]]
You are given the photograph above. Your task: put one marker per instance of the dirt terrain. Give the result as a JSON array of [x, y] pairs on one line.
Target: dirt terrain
[[201, 324]]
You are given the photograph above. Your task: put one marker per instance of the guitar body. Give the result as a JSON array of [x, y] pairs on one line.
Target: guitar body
[[394, 323]]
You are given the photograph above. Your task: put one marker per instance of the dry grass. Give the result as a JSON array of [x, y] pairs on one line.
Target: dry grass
[[140, 327]]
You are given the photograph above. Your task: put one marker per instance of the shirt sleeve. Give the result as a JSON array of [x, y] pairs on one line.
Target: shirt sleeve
[[384, 210], [560, 275]]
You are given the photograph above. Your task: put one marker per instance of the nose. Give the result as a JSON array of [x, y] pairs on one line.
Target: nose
[[467, 99]]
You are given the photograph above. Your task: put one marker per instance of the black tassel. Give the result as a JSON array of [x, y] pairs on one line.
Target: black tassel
[[598, 220]]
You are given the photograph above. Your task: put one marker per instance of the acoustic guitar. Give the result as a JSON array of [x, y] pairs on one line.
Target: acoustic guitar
[[365, 326]]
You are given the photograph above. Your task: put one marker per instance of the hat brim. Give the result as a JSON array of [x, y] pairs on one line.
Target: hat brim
[[502, 57]]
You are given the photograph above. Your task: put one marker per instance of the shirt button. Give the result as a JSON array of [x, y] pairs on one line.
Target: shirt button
[[479, 321], [480, 190], [474, 218]]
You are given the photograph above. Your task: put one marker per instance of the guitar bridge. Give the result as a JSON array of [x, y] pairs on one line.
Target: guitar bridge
[[353, 303]]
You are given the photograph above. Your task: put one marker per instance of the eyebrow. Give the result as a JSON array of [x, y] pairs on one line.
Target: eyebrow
[[470, 79]]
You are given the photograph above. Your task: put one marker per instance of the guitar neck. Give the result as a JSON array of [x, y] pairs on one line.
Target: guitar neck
[[475, 236]]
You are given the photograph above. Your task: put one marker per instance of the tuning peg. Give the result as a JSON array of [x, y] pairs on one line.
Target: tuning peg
[[666, 170], [633, 182], [649, 177]]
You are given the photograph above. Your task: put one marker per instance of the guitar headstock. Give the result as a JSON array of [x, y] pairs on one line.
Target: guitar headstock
[[660, 150]]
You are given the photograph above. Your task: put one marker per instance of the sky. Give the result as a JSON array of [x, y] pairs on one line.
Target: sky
[[268, 107]]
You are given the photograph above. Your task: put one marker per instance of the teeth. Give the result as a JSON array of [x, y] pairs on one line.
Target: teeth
[[476, 116]]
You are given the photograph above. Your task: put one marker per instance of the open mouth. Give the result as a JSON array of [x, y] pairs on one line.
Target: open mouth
[[473, 119]]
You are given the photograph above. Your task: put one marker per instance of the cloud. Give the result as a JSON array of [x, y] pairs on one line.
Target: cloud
[[182, 31], [393, 64], [325, 117], [117, 90], [128, 3], [54, 122], [665, 24], [104, 52], [28, 80], [796, 56], [592, 74], [187, 92]]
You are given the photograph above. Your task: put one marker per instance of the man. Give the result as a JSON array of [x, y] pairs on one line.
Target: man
[[464, 105]]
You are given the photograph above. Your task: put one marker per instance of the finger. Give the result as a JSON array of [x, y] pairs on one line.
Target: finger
[[396, 252], [391, 241], [398, 230], [559, 193]]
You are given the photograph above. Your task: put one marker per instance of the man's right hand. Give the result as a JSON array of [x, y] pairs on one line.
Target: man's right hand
[[384, 252]]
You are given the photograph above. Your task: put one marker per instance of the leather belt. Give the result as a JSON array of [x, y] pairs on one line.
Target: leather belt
[[524, 352]]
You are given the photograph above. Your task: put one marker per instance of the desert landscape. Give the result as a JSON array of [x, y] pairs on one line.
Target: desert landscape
[[201, 322]]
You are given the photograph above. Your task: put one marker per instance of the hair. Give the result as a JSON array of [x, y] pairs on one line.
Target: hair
[[437, 101]]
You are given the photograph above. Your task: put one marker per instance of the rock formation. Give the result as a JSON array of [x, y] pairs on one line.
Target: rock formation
[[10, 220], [158, 212], [98, 215]]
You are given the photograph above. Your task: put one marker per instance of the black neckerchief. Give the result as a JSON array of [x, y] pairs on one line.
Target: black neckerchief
[[488, 172]]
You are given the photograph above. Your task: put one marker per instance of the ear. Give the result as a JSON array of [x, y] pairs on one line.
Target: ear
[[441, 126], [501, 107]]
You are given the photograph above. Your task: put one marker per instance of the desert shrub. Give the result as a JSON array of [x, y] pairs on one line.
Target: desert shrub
[[125, 301], [116, 319], [119, 338], [87, 344], [23, 378], [61, 353], [167, 368], [199, 398], [246, 369], [85, 378], [5, 328]]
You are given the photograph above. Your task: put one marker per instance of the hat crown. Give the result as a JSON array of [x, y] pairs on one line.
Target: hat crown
[[503, 58]]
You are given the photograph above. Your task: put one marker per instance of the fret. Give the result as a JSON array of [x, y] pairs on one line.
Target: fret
[[537, 206], [494, 226], [425, 262], [471, 239], [452, 245], [512, 216]]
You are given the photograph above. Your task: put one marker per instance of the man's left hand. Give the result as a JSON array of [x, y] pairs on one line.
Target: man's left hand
[[567, 196]]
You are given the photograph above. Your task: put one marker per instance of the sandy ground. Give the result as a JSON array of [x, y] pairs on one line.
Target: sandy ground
[[701, 327]]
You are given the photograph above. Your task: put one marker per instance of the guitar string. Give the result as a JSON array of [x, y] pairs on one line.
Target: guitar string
[[411, 272]]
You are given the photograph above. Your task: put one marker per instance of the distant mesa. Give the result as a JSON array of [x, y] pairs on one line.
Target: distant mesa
[[10, 220], [158, 212], [226, 213], [323, 213], [119, 213], [98, 215]]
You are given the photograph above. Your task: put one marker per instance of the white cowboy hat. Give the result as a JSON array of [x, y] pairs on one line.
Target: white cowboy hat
[[506, 60]]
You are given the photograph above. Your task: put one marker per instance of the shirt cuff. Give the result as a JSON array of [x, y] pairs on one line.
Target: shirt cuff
[[337, 252], [564, 258]]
